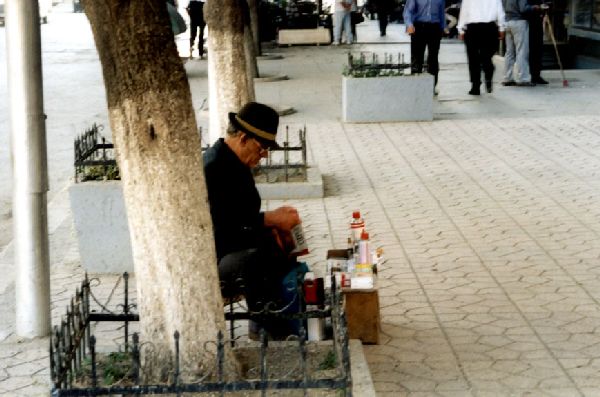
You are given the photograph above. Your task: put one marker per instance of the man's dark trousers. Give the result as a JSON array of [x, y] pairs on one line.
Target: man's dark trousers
[[536, 43], [481, 40], [383, 21], [197, 23], [426, 35]]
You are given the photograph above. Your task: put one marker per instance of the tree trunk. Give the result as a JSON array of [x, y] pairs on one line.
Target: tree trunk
[[229, 83], [250, 49], [158, 149], [253, 7]]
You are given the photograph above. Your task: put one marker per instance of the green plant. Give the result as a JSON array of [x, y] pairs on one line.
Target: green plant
[[116, 367], [111, 368], [100, 173], [329, 362], [362, 65]]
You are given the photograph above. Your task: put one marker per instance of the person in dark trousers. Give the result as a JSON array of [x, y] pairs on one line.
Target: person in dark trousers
[[536, 40], [252, 245], [425, 22], [195, 11], [481, 26], [383, 8]]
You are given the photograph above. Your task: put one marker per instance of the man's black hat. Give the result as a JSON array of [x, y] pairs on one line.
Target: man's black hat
[[258, 120]]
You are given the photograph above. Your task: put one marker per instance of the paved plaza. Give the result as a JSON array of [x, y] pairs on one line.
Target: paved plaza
[[489, 217]]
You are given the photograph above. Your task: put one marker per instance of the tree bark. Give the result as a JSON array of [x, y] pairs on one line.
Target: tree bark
[[229, 82], [159, 155], [253, 7], [250, 49]]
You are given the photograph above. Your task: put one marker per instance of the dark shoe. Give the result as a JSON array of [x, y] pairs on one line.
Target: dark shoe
[[525, 84], [475, 90], [508, 83], [539, 80], [488, 87]]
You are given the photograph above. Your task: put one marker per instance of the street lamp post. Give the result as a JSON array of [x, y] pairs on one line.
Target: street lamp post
[[30, 168]]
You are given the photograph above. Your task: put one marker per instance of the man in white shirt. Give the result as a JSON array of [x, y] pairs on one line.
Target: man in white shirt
[[481, 25]]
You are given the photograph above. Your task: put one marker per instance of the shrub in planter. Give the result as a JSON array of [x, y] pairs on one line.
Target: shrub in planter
[[98, 206], [377, 89]]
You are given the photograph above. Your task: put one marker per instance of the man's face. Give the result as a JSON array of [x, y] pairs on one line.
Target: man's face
[[253, 151]]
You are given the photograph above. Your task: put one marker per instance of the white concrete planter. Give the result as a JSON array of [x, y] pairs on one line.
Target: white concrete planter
[[101, 224], [380, 99]]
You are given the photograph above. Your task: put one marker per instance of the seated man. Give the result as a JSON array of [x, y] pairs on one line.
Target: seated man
[[251, 245]]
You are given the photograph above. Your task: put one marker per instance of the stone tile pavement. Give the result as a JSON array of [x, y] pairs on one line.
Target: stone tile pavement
[[488, 216]]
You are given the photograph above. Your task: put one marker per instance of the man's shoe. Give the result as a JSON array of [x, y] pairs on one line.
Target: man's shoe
[[525, 84], [474, 91], [488, 87], [539, 80], [508, 83]]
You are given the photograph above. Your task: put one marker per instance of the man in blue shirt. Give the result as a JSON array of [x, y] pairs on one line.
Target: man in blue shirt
[[425, 21]]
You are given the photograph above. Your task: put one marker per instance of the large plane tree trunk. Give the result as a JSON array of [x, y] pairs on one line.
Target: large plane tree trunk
[[253, 7], [230, 82], [159, 154]]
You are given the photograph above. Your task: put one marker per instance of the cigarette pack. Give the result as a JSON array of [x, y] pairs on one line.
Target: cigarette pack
[[300, 245]]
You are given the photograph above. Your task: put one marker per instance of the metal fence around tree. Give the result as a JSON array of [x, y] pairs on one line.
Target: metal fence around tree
[[78, 369]]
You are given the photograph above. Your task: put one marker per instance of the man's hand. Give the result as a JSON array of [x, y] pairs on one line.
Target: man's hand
[[410, 29], [501, 35], [461, 36], [283, 218]]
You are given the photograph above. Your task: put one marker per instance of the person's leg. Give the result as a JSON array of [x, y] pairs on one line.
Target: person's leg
[[472, 46], [348, 27], [434, 36], [536, 42], [338, 18], [193, 29], [509, 56], [417, 50], [201, 39], [383, 22], [489, 46], [521, 34]]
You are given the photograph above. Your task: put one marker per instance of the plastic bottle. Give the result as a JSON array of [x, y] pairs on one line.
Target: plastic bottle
[[357, 226], [364, 251]]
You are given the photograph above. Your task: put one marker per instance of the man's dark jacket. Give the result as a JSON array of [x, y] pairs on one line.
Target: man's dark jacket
[[234, 200]]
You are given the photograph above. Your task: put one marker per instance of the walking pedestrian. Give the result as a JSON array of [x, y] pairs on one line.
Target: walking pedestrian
[[481, 25], [383, 8], [425, 22], [341, 21], [516, 37], [195, 11]]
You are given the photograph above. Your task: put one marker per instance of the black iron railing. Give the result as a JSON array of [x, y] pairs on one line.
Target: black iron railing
[[371, 64], [94, 157], [286, 163], [75, 363]]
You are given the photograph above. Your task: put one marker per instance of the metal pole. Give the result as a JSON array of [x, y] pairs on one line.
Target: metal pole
[[30, 175]]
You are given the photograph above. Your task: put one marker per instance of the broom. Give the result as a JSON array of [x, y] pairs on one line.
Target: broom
[[547, 22]]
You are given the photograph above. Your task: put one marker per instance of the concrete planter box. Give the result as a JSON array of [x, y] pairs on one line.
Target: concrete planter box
[[303, 36], [311, 188], [381, 99], [101, 224]]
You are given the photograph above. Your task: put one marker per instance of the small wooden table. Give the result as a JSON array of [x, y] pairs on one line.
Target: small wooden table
[[362, 314]]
